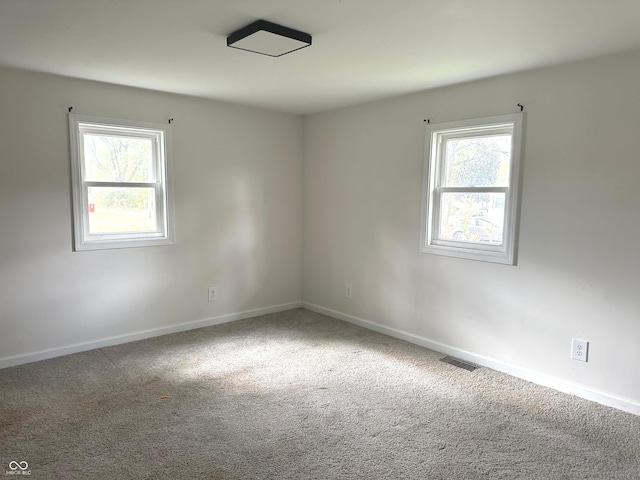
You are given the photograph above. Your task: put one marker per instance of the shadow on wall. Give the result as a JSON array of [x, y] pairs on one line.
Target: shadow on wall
[[241, 253], [491, 309], [457, 302]]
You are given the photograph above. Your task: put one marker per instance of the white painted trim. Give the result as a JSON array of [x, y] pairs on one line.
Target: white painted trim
[[132, 337], [611, 400]]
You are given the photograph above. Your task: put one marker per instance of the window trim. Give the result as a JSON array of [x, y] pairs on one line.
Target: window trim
[[432, 190], [160, 134]]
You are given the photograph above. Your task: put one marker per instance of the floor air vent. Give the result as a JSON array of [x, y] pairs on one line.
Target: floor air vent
[[458, 363]]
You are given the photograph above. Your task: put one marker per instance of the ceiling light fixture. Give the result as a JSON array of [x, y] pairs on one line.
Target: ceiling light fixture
[[268, 38]]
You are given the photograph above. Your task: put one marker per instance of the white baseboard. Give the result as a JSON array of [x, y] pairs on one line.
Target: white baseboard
[[604, 398], [132, 337]]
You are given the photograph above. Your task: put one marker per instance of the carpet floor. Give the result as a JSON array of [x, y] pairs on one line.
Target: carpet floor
[[297, 395]]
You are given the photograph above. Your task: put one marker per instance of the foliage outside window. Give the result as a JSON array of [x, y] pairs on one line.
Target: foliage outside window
[[470, 190], [120, 173]]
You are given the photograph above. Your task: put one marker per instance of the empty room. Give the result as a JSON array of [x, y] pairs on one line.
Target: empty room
[[291, 239]]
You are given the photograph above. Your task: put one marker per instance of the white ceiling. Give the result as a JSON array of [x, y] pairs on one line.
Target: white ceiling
[[362, 49]]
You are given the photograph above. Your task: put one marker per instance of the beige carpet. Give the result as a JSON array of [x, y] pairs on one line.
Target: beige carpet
[[298, 395]]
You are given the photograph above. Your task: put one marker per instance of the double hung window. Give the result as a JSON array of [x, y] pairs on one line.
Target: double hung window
[[470, 190], [121, 184]]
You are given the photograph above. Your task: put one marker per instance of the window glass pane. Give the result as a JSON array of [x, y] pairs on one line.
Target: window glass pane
[[472, 217], [117, 210], [110, 158], [477, 161]]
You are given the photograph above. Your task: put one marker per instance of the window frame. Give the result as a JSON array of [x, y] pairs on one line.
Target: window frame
[[160, 136], [434, 171]]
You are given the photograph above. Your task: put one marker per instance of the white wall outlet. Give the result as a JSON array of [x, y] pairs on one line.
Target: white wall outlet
[[348, 291], [213, 294], [579, 349]]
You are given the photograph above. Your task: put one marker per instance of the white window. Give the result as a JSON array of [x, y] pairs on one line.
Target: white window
[[470, 191], [121, 183]]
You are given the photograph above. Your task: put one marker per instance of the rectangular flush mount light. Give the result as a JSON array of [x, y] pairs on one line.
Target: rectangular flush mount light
[[268, 38]]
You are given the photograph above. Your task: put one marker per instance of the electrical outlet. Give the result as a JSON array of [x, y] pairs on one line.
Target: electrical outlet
[[348, 291], [579, 349], [213, 294]]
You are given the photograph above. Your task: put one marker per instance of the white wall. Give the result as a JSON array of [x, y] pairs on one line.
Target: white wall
[[578, 273], [237, 184]]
